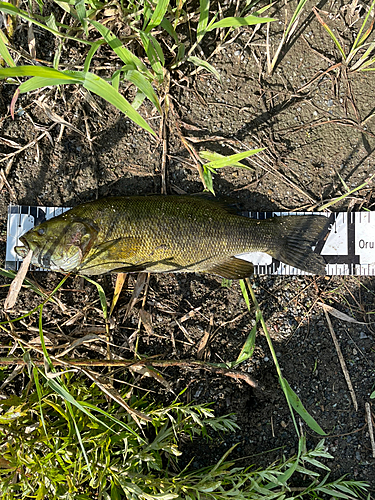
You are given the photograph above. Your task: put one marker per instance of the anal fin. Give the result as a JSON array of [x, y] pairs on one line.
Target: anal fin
[[233, 268]]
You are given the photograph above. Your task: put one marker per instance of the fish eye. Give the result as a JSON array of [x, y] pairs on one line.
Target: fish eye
[[41, 231]]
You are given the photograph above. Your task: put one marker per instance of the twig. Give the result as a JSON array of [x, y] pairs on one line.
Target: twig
[[342, 361], [29, 145], [370, 427], [127, 363]]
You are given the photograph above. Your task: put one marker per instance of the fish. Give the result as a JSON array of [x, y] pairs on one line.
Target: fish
[[170, 234]]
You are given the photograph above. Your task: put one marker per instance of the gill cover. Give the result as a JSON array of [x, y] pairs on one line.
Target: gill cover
[[76, 242]]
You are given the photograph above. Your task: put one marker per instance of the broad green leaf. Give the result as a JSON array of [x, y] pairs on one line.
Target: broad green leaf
[[232, 160], [4, 52], [90, 81], [138, 99], [158, 15], [204, 64], [41, 71], [124, 54], [100, 87], [248, 347], [301, 410], [208, 179], [203, 19], [144, 86], [168, 27], [152, 54], [81, 13], [235, 22]]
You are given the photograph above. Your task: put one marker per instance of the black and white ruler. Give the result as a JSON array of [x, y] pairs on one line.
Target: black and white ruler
[[349, 248]]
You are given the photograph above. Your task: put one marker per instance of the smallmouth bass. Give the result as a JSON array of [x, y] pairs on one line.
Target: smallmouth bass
[[169, 234]]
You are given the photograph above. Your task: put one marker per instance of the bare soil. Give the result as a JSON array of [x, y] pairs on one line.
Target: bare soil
[[318, 137]]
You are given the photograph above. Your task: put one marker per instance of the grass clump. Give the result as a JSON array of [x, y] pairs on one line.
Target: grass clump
[[155, 29], [128, 458]]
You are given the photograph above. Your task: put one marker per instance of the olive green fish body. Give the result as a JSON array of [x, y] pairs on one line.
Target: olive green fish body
[[169, 234]]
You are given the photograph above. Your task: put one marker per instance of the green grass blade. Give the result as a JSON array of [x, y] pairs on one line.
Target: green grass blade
[[100, 87], [259, 317], [4, 52], [37, 82], [152, 55], [158, 49], [124, 54], [340, 198], [94, 47], [103, 299], [10, 9], [204, 12], [207, 177], [329, 31], [144, 86], [39, 392], [358, 40], [138, 99], [158, 15], [204, 64], [41, 71], [82, 14], [168, 27], [235, 22], [232, 160], [90, 81], [301, 410], [295, 16]]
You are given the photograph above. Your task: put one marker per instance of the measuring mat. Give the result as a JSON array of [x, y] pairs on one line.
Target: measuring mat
[[349, 248]]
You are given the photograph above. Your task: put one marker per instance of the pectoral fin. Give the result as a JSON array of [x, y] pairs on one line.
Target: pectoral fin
[[232, 268]]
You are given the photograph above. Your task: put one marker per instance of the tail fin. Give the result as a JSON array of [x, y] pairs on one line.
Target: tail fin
[[298, 233]]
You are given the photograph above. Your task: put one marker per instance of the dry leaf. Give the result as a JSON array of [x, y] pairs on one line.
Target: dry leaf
[[16, 284], [146, 321], [340, 315]]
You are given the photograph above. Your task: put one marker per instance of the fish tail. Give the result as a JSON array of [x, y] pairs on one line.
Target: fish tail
[[297, 235]]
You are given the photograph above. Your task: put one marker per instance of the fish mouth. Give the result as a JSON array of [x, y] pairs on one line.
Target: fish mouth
[[22, 250]]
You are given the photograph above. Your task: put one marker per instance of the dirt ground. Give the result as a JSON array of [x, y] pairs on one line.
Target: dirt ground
[[318, 137]]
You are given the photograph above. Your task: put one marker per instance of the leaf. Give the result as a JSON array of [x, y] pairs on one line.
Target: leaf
[[144, 86], [120, 280], [153, 54], [232, 160], [248, 347], [124, 54], [340, 315], [204, 11], [204, 64], [207, 177], [158, 15], [235, 22], [300, 409], [81, 13], [16, 285], [90, 81], [10, 9], [4, 52], [103, 300]]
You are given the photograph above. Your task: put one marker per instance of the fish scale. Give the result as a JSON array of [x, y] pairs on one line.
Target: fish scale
[[170, 233]]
